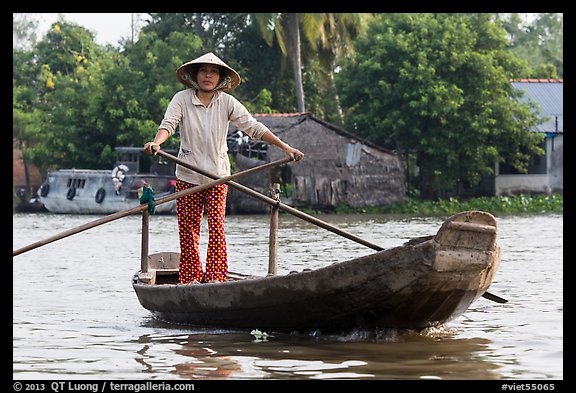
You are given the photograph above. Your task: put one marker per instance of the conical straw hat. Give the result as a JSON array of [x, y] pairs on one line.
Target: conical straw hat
[[186, 72]]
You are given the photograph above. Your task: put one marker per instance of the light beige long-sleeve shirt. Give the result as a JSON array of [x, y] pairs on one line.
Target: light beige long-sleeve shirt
[[203, 131]]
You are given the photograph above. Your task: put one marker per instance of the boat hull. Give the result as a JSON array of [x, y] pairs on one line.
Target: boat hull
[[426, 282], [82, 191]]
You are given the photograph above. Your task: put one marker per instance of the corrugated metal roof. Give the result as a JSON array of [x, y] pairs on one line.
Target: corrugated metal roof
[[549, 94]]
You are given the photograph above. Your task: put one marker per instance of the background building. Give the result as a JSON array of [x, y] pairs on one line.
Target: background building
[[339, 168]]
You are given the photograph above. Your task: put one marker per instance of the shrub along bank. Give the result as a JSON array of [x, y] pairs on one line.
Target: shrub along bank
[[553, 203]]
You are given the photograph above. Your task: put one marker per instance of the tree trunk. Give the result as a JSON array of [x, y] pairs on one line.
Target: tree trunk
[[294, 32], [335, 94], [27, 177]]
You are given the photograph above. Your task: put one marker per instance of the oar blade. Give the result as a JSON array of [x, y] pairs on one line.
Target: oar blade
[[494, 298]]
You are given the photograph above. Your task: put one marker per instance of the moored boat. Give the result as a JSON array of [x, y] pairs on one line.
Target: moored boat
[[90, 191]]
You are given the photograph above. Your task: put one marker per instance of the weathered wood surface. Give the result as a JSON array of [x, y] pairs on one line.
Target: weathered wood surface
[[273, 236], [426, 282]]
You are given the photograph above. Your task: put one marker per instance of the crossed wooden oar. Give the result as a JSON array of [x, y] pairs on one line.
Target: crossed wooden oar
[[219, 180]]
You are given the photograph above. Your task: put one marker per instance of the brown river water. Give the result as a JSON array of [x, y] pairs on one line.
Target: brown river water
[[76, 316]]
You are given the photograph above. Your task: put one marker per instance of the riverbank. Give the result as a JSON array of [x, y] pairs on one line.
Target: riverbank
[[553, 203]]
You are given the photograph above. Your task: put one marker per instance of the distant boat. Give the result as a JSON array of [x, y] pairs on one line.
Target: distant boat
[[93, 191]]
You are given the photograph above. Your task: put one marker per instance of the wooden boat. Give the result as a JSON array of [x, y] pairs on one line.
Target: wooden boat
[[426, 282]]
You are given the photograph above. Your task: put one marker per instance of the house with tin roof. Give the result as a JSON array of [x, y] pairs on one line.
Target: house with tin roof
[[545, 172], [339, 167]]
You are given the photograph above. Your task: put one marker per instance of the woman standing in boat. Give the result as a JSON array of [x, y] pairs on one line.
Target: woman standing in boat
[[203, 112]]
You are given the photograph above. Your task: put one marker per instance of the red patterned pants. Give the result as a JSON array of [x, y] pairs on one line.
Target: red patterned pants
[[190, 210]]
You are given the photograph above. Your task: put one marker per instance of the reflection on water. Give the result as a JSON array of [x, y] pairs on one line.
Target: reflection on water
[[76, 316], [424, 355]]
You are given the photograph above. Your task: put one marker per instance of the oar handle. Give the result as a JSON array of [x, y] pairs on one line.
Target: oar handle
[[156, 149]]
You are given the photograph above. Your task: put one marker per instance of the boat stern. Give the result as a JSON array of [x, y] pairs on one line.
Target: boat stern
[[467, 253]]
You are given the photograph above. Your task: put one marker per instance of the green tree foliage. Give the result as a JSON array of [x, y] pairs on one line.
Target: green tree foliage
[[24, 31], [434, 85], [328, 36], [26, 119], [331, 41], [234, 38], [438, 85], [89, 99], [285, 27], [142, 84], [215, 30], [75, 101], [64, 75], [540, 42]]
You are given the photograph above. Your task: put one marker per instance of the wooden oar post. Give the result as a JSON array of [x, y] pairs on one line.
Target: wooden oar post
[[273, 246], [145, 241]]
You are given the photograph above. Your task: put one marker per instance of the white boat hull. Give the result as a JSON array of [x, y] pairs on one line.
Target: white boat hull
[[82, 191]]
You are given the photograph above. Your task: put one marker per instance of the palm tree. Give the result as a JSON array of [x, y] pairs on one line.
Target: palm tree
[[335, 40], [286, 28], [330, 34]]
